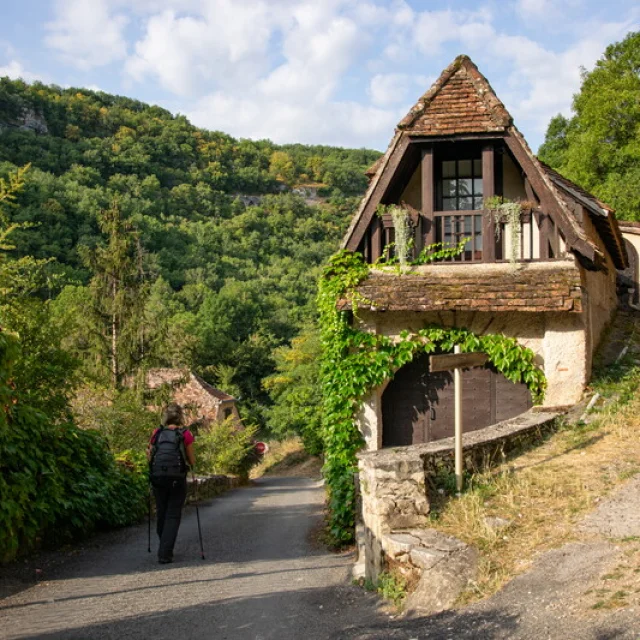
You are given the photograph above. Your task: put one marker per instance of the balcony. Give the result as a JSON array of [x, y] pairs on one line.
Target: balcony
[[490, 238]]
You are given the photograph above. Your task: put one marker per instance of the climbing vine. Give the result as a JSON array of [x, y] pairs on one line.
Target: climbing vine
[[355, 361]]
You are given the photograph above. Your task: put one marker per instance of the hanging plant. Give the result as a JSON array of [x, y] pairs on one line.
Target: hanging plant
[[354, 362], [508, 213], [402, 248]]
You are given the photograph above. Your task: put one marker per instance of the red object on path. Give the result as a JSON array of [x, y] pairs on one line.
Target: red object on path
[[261, 448]]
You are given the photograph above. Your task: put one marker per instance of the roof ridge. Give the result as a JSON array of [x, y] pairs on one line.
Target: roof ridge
[[496, 109]]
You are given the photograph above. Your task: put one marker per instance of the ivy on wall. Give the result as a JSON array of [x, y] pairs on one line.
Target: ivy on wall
[[355, 362]]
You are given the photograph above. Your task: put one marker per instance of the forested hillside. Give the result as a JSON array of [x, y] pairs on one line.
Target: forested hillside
[[124, 245], [212, 285]]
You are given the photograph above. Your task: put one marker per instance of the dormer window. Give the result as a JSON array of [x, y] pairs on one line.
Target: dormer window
[[461, 185]]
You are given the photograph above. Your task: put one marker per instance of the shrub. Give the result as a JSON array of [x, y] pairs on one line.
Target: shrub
[[56, 481], [225, 449]]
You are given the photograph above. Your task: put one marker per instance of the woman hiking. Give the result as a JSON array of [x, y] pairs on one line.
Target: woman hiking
[[170, 453]]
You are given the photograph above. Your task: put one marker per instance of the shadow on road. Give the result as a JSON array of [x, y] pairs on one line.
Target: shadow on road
[[312, 614]]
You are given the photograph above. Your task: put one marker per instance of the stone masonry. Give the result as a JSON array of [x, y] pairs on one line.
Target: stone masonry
[[395, 483]]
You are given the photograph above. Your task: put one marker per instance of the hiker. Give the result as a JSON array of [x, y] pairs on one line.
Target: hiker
[[170, 452]]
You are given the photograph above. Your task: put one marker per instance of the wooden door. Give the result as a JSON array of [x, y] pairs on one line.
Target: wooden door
[[418, 406], [403, 405]]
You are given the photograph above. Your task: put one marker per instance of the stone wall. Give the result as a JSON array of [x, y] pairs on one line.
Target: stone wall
[[209, 486], [396, 484]]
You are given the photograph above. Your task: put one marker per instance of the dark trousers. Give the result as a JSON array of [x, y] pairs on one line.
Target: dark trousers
[[170, 494]]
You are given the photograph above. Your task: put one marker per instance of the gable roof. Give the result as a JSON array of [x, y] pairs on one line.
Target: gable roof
[[601, 214], [462, 102], [179, 377]]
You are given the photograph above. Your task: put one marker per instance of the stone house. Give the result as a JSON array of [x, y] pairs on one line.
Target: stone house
[[545, 276], [549, 282], [203, 404]]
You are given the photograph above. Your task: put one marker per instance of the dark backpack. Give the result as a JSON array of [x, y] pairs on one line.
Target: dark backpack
[[168, 454]]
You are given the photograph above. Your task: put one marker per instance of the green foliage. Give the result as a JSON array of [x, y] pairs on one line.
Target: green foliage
[[295, 391], [119, 416], [225, 449], [599, 146], [56, 481], [392, 587], [354, 362]]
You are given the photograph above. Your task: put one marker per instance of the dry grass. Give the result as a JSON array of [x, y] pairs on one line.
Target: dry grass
[[287, 458], [543, 493], [619, 585]]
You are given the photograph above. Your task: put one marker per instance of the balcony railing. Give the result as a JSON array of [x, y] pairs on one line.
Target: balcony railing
[[487, 241]]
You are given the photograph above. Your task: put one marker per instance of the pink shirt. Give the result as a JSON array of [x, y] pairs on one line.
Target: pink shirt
[[188, 436]]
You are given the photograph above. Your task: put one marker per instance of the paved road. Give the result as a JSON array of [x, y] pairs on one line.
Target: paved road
[[263, 578]]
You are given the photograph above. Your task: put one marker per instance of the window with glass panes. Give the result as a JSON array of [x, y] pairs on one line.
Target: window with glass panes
[[462, 185]]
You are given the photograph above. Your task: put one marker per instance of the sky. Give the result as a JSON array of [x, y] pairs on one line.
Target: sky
[[336, 72]]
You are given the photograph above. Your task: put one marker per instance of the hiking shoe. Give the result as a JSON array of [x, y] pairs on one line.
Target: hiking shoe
[[165, 560]]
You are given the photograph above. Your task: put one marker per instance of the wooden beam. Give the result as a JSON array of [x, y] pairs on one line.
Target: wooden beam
[[547, 199], [488, 190], [428, 197], [456, 137], [376, 239], [544, 222], [531, 196], [377, 194], [450, 361]]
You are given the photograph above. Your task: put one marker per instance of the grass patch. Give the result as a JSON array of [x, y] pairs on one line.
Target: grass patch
[[287, 457]]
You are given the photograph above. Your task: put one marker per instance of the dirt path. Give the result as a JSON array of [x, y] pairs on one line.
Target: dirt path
[[587, 590], [263, 578]]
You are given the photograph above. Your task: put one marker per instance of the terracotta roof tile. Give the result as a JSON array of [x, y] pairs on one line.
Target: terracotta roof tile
[[534, 288], [460, 101]]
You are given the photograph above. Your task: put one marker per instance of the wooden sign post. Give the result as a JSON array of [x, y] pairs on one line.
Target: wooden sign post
[[457, 361]]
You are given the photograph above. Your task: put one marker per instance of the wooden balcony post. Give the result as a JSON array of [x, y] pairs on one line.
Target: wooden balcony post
[[428, 191], [376, 239], [488, 190]]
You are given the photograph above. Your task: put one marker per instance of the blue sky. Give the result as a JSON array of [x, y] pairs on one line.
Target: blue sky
[[339, 72]]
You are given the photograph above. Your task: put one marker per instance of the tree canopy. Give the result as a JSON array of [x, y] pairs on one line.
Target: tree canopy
[[599, 146], [149, 254]]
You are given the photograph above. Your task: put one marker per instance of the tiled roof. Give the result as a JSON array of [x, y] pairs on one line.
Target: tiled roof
[[460, 101], [216, 393], [179, 377], [534, 287], [601, 214]]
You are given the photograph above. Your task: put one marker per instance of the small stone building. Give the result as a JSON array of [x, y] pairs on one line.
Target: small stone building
[[203, 404]]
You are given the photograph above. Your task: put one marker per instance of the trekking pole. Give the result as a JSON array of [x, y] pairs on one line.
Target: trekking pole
[[149, 520], [195, 481]]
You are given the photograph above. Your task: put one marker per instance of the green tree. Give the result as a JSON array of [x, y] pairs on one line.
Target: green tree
[[119, 289], [282, 167], [296, 392], [599, 146]]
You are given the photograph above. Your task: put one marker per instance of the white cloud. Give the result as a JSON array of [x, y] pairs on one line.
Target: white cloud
[[224, 42], [319, 46], [87, 34], [346, 124], [390, 88], [15, 70], [541, 83]]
